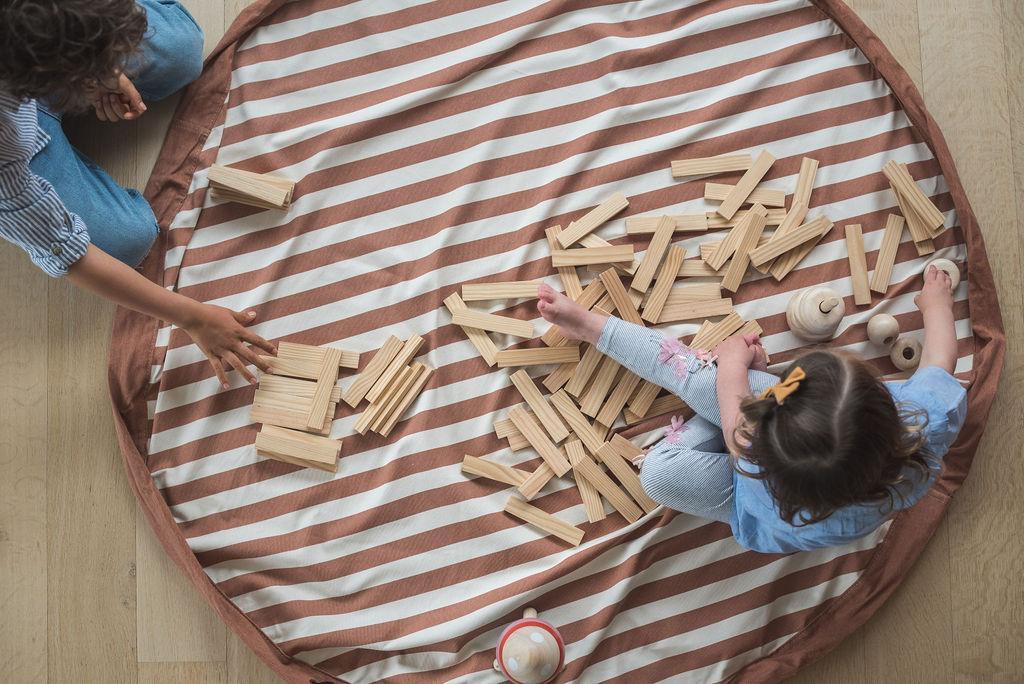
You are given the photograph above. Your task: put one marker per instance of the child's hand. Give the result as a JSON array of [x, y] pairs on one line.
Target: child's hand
[[123, 103], [739, 351], [936, 291], [222, 336]]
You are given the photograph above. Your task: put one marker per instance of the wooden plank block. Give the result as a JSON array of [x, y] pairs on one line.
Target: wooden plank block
[[246, 186], [805, 181], [325, 384], [481, 340], [933, 231], [594, 241], [617, 399], [544, 521], [708, 248], [593, 398], [515, 289], [794, 219], [626, 448], [685, 311], [619, 467], [697, 268], [538, 439], [283, 411], [507, 358], [711, 335], [717, 257], [590, 496], [567, 274], [541, 408], [858, 264], [716, 222], [561, 375], [788, 261], [780, 244], [536, 481], [294, 351], [298, 448], [623, 304], [282, 384], [619, 500], [493, 323], [903, 184], [706, 166], [919, 231], [402, 359], [653, 256], [615, 254], [752, 229], [754, 175], [667, 274], [584, 371], [592, 219], [575, 419], [698, 292], [388, 402], [409, 397], [471, 465], [642, 399], [882, 274], [685, 223], [668, 403], [364, 381], [767, 197]]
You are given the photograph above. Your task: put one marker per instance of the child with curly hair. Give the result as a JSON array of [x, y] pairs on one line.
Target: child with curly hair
[[820, 457], [70, 216]]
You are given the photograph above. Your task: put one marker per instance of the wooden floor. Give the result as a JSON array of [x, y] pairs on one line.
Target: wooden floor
[[88, 596]]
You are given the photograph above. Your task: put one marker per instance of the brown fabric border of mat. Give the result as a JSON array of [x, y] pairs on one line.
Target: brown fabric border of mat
[[130, 366]]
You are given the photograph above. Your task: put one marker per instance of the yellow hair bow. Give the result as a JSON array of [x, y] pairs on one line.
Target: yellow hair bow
[[786, 387]]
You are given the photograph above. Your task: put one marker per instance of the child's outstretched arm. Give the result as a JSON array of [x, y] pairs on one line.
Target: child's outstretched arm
[[736, 356], [936, 305]]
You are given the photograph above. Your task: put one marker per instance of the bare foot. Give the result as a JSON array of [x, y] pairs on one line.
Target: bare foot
[[575, 322]]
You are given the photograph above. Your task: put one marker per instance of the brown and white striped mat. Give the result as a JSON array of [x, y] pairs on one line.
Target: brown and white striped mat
[[433, 142]]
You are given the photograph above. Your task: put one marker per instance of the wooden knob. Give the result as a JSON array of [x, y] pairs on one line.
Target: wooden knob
[[906, 353], [883, 330], [815, 313]]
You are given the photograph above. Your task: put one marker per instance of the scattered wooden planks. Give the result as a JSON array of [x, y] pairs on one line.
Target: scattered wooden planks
[[887, 253], [378, 364], [739, 194], [794, 219], [592, 219], [788, 261], [520, 289], [480, 339], [325, 385], [653, 256], [472, 465], [751, 229], [692, 223], [544, 521], [493, 323], [764, 196], [508, 358], [623, 304], [858, 264], [541, 408], [298, 448], [685, 311], [591, 497], [570, 278], [538, 439], [246, 187], [706, 166], [618, 465], [805, 181], [667, 274], [615, 254]]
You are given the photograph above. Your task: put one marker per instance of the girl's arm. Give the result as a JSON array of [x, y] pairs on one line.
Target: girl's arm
[[735, 357], [219, 332], [936, 305]]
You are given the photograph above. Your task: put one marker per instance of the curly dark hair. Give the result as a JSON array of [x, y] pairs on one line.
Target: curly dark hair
[[61, 51], [839, 440]]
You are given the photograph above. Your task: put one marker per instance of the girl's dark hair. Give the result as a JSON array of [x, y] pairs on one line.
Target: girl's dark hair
[[60, 51], [838, 440]]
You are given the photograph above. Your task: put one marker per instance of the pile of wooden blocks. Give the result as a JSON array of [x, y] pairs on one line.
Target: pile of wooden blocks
[[390, 383], [295, 402], [254, 189]]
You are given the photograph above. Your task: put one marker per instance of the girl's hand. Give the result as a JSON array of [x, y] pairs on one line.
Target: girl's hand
[[123, 103], [739, 351], [222, 336], [936, 291]]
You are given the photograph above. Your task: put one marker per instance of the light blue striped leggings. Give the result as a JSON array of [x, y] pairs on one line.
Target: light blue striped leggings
[[690, 471]]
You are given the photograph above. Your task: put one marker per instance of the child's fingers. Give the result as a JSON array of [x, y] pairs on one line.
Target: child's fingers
[[131, 95], [218, 369]]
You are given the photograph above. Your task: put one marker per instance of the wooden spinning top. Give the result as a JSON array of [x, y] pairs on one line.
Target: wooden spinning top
[[944, 265], [530, 650], [815, 313]]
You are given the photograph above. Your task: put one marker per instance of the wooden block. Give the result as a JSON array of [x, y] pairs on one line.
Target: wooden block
[[590, 496], [685, 223], [716, 258], [247, 187], [615, 254], [286, 411], [749, 328], [904, 185], [805, 181], [779, 245], [642, 399], [626, 448], [373, 413], [622, 470], [706, 166], [536, 481], [592, 219], [788, 261], [593, 398], [533, 432], [409, 397], [568, 275], [493, 323], [325, 384], [298, 448], [919, 231], [699, 292], [389, 401], [882, 274], [711, 335], [653, 256], [752, 228], [668, 403], [697, 268], [544, 521], [754, 175], [561, 375], [303, 360], [220, 194], [619, 500], [858, 264], [364, 381], [584, 371], [594, 241], [481, 340], [794, 219], [617, 399], [936, 230], [471, 465], [282, 384], [685, 311], [518, 289], [576, 421], [508, 358], [623, 304], [667, 274], [401, 360], [541, 408], [764, 196], [716, 222]]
